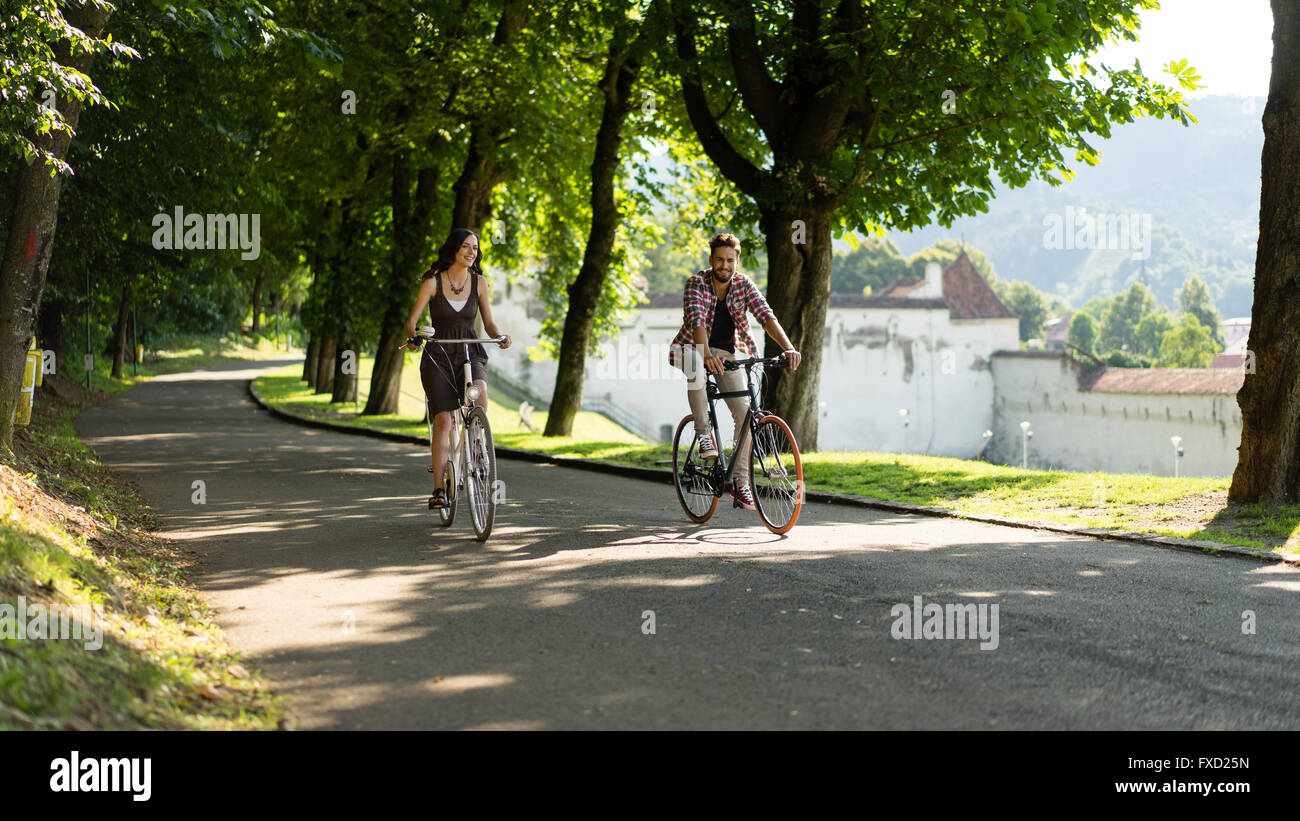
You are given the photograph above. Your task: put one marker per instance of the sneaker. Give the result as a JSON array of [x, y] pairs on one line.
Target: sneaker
[[742, 497], [708, 450]]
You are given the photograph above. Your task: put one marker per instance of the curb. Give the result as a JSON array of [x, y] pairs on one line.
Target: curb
[[664, 476], [661, 475]]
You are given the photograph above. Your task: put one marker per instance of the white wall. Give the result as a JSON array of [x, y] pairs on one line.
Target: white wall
[[878, 361], [1113, 432]]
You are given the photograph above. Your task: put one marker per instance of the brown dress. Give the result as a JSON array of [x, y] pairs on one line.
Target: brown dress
[[441, 365]]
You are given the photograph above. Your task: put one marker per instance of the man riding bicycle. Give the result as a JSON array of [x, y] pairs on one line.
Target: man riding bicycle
[[714, 330]]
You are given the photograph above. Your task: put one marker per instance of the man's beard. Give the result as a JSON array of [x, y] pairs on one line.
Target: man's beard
[[719, 276]]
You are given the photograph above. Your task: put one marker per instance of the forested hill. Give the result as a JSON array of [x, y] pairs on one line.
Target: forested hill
[[1199, 184]]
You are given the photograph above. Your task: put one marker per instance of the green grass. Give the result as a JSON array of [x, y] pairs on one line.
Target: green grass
[[186, 353], [73, 535], [1193, 508], [283, 388]]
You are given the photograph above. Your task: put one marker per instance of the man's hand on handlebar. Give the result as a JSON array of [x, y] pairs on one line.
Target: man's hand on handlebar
[[793, 358]]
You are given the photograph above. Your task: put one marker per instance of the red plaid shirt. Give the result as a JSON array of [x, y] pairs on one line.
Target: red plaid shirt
[[699, 301]]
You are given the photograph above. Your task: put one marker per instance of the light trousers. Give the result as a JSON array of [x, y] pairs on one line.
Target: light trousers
[[728, 381]]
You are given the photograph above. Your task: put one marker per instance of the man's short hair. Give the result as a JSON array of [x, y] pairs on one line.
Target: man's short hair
[[719, 240]]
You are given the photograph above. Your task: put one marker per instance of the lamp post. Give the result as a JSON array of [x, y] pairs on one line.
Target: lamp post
[[1025, 434], [1177, 442], [902, 431]]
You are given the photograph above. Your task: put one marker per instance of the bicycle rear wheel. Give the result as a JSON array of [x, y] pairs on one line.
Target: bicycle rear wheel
[[480, 473], [692, 477], [776, 474]]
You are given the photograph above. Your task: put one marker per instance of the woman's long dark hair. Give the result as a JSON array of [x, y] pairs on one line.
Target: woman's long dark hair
[[447, 253]]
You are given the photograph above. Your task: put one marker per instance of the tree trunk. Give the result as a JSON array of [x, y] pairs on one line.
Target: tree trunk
[[1268, 463], [344, 388], [311, 362], [473, 189], [473, 206], [120, 342], [386, 377], [325, 366], [411, 230], [49, 328], [798, 291], [32, 224], [257, 302], [585, 291]]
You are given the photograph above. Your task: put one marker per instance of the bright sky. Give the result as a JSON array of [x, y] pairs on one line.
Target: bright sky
[[1230, 42]]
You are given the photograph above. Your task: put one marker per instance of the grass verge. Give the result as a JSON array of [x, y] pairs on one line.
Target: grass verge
[[186, 353], [75, 539]]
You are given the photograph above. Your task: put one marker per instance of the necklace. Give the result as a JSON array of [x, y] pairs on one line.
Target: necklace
[[461, 289]]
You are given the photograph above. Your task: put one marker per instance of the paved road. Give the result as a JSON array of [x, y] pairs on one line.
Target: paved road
[[326, 568]]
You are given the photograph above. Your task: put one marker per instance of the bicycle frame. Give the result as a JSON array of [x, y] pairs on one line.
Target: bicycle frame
[[762, 438], [712, 394]]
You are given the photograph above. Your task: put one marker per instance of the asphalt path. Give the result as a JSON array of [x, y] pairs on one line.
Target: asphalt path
[[328, 571]]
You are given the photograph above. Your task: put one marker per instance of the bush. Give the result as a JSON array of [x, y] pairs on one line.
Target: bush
[[1124, 359]]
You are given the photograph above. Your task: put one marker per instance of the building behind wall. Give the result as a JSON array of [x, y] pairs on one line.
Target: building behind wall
[[1118, 420], [922, 345]]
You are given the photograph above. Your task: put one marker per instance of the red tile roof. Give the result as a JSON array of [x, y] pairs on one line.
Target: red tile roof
[[968, 295], [965, 294], [1167, 380]]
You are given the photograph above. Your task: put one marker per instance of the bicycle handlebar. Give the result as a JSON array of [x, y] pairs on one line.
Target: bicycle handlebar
[[426, 334], [774, 361]]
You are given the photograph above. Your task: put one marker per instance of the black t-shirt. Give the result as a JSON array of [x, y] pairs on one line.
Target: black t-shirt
[[723, 333]]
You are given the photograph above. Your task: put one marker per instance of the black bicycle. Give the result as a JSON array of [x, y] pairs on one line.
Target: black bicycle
[[472, 460], [776, 471]]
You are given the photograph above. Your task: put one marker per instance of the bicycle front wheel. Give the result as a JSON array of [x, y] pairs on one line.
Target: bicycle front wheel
[[692, 476], [480, 473], [776, 474]]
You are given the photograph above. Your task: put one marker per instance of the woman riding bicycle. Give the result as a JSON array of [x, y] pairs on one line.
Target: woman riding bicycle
[[456, 291]]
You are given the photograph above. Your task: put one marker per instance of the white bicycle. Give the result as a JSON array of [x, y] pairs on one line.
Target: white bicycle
[[472, 461]]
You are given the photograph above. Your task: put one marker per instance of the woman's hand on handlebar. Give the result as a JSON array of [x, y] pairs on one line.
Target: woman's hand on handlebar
[[505, 341]]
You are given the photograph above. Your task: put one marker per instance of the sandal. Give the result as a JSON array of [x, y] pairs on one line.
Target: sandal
[[438, 500]]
